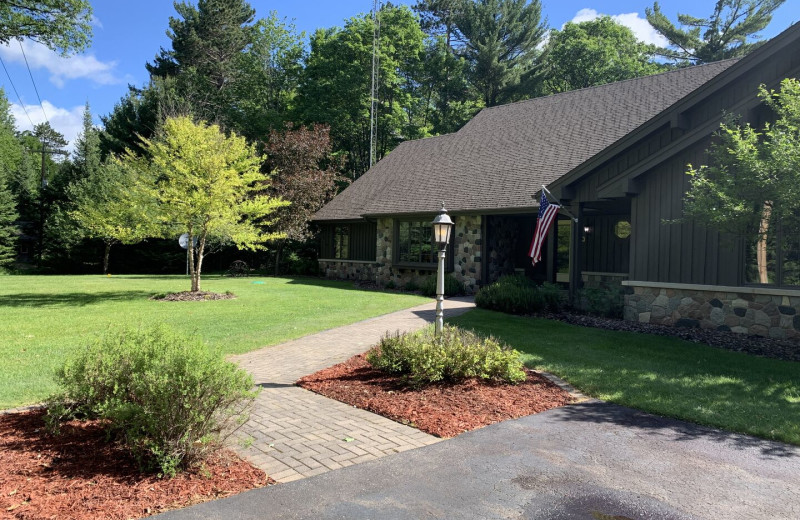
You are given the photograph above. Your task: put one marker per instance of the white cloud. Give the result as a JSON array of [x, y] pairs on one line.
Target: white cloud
[[640, 26], [95, 21], [60, 68], [68, 121]]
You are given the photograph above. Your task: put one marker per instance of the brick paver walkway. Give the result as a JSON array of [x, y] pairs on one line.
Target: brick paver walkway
[[294, 433]]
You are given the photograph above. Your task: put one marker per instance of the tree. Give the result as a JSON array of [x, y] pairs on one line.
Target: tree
[[61, 25], [207, 185], [306, 175], [207, 41], [500, 41], [8, 228], [107, 205], [751, 185], [269, 72], [438, 17], [335, 86], [595, 52], [722, 35]]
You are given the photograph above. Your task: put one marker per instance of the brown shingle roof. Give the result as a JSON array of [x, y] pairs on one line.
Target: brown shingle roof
[[505, 153]]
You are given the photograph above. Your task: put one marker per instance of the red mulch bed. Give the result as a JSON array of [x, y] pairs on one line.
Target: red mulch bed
[[77, 475], [442, 409]]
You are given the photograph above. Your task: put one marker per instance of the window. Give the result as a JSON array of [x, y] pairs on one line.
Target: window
[[773, 258], [563, 234], [415, 242], [341, 242]]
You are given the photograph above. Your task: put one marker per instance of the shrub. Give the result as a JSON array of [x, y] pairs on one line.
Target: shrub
[[452, 287], [390, 285], [602, 301], [518, 295], [168, 397], [411, 286], [460, 354]]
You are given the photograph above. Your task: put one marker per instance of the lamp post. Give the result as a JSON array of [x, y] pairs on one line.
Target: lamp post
[[442, 227]]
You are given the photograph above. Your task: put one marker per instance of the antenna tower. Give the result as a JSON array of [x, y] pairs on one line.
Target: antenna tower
[[373, 108]]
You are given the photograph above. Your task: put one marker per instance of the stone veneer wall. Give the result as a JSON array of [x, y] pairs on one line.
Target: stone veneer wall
[[348, 269], [771, 313], [466, 258], [466, 255]]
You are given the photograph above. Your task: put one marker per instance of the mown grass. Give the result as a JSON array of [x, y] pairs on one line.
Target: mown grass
[[43, 318], [661, 375]]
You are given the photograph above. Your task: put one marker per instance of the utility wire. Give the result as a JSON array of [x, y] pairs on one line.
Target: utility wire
[[17, 93], [34, 82]]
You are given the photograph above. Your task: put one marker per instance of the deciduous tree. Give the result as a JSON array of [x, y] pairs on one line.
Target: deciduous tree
[[61, 25], [208, 185], [592, 53]]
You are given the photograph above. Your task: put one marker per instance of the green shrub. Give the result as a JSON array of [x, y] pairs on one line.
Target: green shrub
[[460, 354], [390, 285], [411, 286], [518, 295], [168, 397], [452, 287], [602, 301]]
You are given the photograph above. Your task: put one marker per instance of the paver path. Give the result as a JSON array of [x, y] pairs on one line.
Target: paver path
[[295, 433]]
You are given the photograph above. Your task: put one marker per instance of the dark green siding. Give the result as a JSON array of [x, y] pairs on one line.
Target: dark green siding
[[363, 240]]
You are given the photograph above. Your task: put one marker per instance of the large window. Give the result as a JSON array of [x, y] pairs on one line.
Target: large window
[[341, 242], [773, 258], [415, 242]]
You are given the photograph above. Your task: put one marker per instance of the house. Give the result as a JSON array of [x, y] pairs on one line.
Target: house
[[616, 156]]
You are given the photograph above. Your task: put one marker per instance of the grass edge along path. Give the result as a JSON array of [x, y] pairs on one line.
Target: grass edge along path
[[660, 375], [44, 318]]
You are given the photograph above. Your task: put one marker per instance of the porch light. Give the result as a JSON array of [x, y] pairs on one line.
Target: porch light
[[442, 228]]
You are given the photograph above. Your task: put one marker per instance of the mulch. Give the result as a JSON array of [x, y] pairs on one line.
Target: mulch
[[189, 296], [442, 409], [77, 475]]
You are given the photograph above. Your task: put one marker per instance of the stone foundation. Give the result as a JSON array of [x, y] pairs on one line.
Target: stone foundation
[[773, 313], [348, 270]]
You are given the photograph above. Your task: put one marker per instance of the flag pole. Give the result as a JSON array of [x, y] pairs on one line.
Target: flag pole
[[553, 197]]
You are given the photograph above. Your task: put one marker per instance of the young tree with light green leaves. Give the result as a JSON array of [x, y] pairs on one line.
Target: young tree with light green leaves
[[208, 185], [751, 183], [722, 35]]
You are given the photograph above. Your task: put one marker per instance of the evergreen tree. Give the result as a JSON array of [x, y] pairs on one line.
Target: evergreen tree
[[722, 35], [500, 41], [207, 41], [8, 228]]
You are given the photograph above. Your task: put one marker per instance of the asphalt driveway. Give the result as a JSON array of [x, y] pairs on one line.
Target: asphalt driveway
[[592, 461]]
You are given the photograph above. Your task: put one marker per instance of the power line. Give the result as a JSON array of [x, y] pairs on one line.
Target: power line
[[17, 93], [34, 82]]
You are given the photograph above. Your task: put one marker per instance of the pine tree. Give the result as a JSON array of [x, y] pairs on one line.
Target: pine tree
[[722, 35], [8, 228]]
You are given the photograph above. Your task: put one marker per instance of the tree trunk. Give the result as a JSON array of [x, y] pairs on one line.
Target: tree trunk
[[761, 248], [201, 245], [278, 258], [192, 266], [107, 255]]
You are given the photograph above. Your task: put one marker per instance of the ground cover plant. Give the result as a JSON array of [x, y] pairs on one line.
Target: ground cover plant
[[662, 375], [44, 318]]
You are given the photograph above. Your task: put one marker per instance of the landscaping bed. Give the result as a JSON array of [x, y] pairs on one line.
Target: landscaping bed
[[78, 475], [189, 296], [441, 409]]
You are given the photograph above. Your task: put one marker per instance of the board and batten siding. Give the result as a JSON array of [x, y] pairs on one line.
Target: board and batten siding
[[677, 253], [362, 240]]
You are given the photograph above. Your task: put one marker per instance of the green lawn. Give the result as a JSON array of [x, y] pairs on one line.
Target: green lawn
[[43, 318], [665, 376]]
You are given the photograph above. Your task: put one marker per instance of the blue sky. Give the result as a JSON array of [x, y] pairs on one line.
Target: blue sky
[[127, 34]]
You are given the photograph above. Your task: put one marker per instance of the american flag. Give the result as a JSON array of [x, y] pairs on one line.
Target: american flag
[[547, 213]]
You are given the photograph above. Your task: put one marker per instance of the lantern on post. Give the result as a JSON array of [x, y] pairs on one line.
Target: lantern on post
[[442, 228]]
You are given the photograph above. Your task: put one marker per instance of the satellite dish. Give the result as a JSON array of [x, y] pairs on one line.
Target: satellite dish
[[183, 241]]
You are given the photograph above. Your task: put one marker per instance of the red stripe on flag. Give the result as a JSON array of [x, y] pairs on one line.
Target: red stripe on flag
[[542, 227]]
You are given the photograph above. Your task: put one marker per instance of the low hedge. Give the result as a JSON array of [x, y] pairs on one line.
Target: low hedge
[[168, 397], [519, 295], [458, 354]]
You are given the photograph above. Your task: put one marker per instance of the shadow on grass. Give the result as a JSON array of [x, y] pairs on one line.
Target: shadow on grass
[[79, 299], [600, 412]]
